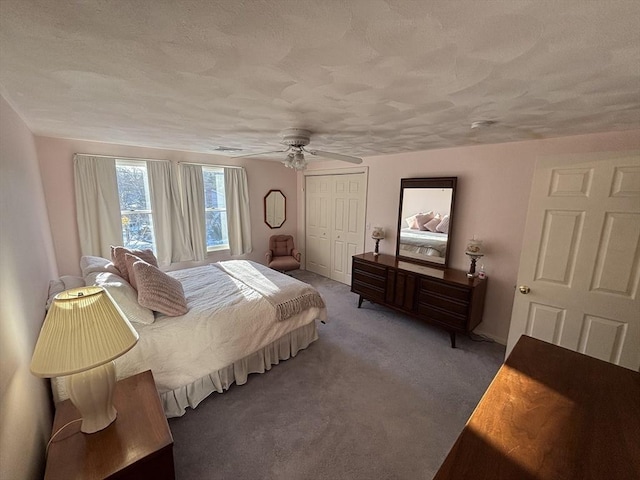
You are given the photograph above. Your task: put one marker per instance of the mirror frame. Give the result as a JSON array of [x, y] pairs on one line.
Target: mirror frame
[[284, 206], [432, 182]]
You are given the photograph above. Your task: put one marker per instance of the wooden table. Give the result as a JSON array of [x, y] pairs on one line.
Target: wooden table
[[137, 445], [551, 413]]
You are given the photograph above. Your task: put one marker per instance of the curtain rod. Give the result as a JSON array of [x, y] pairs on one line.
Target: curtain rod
[[209, 165], [136, 159], [139, 159]]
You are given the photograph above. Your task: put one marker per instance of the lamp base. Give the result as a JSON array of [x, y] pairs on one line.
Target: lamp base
[[376, 249], [92, 394]]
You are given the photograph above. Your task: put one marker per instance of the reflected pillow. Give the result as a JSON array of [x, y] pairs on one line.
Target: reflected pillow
[[423, 219], [443, 226], [432, 224], [412, 222]]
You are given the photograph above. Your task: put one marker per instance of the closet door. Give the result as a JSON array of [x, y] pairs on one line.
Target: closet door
[[318, 246], [347, 232]]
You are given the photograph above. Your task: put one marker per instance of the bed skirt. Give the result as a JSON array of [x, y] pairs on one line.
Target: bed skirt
[[175, 402]]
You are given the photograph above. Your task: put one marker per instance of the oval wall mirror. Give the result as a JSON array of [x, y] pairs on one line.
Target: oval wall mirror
[[275, 208], [425, 220]]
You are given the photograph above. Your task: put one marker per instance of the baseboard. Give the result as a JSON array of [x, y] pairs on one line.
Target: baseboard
[[495, 338]]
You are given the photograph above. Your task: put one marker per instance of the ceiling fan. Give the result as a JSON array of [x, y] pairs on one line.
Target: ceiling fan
[[296, 139]]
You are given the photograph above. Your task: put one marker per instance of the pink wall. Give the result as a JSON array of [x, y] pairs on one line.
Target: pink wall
[[491, 202], [26, 267], [56, 164]]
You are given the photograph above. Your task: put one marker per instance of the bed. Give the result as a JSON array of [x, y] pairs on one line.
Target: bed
[[243, 318], [423, 242]]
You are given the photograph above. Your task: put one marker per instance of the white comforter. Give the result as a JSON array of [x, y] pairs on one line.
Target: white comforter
[[226, 321]]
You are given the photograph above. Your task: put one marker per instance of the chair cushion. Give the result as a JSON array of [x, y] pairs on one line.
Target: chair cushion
[[284, 263]]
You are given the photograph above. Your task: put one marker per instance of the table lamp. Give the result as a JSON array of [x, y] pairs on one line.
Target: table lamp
[[83, 332], [377, 234], [474, 251]]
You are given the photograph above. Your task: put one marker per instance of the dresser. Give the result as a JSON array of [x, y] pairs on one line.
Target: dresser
[[445, 298], [551, 413]]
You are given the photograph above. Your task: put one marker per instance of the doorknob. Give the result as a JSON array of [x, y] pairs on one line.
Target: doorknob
[[524, 289]]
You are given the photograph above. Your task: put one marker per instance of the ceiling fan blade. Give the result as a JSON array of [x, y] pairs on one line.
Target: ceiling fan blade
[[335, 156], [262, 153]]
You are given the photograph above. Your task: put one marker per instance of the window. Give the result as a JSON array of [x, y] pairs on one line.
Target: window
[[135, 205], [215, 209]]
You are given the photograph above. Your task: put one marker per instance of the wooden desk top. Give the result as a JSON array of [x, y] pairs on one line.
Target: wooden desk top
[[551, 413], [139, 431]]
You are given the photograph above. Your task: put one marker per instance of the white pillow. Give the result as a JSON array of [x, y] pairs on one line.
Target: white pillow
[[123, 294], [90, 264], [443, 226]]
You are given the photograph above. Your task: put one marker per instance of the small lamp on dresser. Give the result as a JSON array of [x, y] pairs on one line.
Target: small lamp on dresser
[[377, 234], [83, 332], [474, 252]]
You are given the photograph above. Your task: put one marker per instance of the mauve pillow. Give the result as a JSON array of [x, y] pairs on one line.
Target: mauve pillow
[[119, 260], [432, 224], [443, 226], [423, 219], [129, 261], [158, 291]]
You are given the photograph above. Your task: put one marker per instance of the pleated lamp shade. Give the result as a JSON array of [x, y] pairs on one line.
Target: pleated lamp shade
[[83, 329]]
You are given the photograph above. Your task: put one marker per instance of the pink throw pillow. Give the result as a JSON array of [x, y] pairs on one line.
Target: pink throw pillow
[[158, 291], [443, 226], [432, 224], [119, 260], [423, 219], [130, 260]]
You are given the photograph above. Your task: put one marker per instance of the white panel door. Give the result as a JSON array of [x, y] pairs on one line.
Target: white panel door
[[347, 233], [318, 246], [580, 263]]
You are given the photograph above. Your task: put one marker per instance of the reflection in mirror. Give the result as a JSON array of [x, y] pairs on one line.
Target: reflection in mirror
[[425, 220], [275, 208]]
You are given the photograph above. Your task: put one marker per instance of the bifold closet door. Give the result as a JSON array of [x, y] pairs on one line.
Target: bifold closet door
[[335, 223], [318, 246]]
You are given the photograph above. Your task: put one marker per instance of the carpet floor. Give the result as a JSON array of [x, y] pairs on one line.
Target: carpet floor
[[378, 396]]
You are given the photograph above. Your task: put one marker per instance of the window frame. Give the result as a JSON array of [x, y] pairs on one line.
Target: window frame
[[217, 248], [149, 211]]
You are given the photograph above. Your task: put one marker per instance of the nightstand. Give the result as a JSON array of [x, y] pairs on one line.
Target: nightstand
[[137, 445]]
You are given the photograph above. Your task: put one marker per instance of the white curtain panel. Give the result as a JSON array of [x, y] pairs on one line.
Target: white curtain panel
[[97, 205], [238, 215], [170, 231], [193, 186]]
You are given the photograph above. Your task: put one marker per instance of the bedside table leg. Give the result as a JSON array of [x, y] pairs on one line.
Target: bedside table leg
[[360, 301], [453, 339]]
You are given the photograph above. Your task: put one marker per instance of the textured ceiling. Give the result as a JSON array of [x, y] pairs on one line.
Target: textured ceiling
[[366, 76]]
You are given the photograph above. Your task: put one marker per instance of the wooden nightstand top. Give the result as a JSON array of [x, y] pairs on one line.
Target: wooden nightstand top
[[139, 433]]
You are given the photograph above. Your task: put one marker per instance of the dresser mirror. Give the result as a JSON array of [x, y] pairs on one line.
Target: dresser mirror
[[275, 208], [425, 220]]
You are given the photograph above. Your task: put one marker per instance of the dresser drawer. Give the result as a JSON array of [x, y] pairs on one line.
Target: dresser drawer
[[367, 290], [445, 303], [443, 289], [369, 278], [376, 270], [443, 317]]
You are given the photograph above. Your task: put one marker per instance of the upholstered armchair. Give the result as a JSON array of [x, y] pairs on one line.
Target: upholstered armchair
[[282, 254]]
